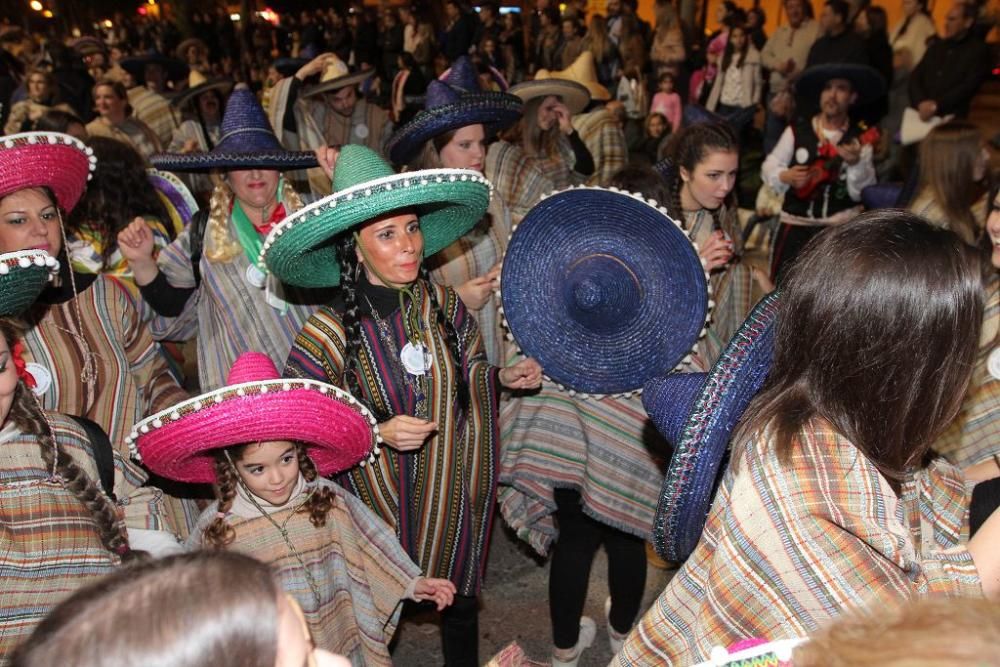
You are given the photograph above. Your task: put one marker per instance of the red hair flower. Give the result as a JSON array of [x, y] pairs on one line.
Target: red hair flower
[[19, 366]]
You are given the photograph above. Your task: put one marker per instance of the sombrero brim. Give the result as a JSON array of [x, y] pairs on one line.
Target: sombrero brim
[[175, 192], [88, 46], [495, 111], [697, 413], [23, 276], [338, 83], [189, 94], [575, 96], [280, 160], [866, 81], [176, 69], [449, 202], [178, 443], [46, 159], [604, 289]]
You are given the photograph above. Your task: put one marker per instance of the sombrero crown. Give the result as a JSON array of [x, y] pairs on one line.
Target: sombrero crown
[[336, 75], [247, 142], [56, 161], [604, 289], [256, 405], [23, 276], [583, 71], [449, 202], [451, 104], [198, 83], [697, 413]]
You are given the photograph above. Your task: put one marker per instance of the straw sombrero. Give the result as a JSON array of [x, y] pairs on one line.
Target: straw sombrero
[[174, 193], [582, 71], [198, 83], [449, 202], [697, 413], [256, 405], [23, 276], [88, 45], [247, 142], [335, 76], [575, 96], [604, 289], [451, 104], [59, 162], [136, 66]]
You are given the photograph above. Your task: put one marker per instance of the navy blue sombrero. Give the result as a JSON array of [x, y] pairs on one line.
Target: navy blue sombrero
[[247, 142], [604, 289], [453, 103], [697, 413]]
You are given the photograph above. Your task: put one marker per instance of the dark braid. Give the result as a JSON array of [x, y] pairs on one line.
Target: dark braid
[[219, 533], [352, 320], [321, 501], [30, 419], [451, 336]]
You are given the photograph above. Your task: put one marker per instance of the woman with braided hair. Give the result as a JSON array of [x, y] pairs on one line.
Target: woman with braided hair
[[266, 445], [61, 529], [413, 354], [700, 172]]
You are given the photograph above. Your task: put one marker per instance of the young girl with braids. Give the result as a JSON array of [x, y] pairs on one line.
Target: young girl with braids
[[207, 283], [61, 529], [410, 351], [702, 161], [266, 444]]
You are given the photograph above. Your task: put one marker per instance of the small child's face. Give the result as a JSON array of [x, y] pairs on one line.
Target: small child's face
[[270, 470], [667, 86]]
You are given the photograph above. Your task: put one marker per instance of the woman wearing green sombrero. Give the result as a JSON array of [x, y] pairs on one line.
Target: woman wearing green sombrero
[[409, 350]]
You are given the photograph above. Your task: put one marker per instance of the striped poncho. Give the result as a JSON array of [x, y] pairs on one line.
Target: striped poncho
[[49, 544], [605, 140], [789, 546], [439, 498], [359, 569], [518, 181]]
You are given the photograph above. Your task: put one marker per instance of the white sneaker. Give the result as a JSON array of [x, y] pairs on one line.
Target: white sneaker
[[614, 640], [588, 632]]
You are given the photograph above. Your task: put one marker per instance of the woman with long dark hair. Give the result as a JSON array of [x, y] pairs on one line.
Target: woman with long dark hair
[[829, 501], [737, 88]]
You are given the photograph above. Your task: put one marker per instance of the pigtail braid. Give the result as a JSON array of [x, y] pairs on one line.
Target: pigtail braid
[[321, 501], [351, 319], [219, 534], [451, 337]]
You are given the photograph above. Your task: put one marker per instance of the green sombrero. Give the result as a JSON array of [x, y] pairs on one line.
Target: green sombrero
[[23, 276], [449, 202]]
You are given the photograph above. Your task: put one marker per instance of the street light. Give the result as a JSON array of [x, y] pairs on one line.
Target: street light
[[36, 5], [48, 13]]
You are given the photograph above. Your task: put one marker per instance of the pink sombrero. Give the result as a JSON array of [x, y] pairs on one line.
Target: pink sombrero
[[46, 159], [256, 405]]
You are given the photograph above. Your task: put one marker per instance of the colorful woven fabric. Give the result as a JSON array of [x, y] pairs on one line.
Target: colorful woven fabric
[[131, 131], [155, 111], [439, 498], [473, 256], [605, 140], [974, 435], [49, 545], [519, 182], [360, 570], [788, 546]]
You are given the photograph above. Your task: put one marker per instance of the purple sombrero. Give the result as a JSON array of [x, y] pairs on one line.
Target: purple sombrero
[[256, 405], [697, 413]]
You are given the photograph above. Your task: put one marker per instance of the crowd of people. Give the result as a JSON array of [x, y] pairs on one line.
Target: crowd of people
[[292, 319]]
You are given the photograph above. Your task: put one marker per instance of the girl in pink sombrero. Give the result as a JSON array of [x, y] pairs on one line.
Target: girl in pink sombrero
[[267, 444]]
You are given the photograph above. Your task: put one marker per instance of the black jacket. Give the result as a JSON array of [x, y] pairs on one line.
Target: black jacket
[[950, 73]]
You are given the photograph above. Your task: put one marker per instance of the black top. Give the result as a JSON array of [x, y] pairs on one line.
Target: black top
[[950, 73]]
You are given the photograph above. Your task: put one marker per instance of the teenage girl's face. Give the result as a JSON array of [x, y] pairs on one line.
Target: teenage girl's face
[[712, 179], [466, 150], [548, 112], [738, 38], [270, 470], [394, 246], [29, 221], [993, 229], [108, 104], [8, 380], [256, 188], [295, 644]]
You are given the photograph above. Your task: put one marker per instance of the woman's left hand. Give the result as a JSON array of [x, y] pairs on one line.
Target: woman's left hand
[[327, 158], [440, 591], [525, 374]]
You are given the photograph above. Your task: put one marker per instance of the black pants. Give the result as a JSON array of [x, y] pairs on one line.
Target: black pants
[[460, 632], [572, 556]]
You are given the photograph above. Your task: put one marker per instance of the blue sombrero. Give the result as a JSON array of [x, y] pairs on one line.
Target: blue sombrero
[[696, 413], [604, 289], [453, 103], [247, 142]]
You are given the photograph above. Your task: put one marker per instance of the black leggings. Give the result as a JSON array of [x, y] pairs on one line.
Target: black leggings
[[572, 556], [460, 632]]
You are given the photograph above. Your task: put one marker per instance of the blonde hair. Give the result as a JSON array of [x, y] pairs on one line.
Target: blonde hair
[[220, 246], [938, 632]]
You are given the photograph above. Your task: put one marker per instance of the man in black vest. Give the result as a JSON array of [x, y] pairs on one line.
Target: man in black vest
[[823, 160]]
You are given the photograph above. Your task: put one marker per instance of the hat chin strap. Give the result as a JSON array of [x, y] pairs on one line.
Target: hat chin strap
[[411, 323]]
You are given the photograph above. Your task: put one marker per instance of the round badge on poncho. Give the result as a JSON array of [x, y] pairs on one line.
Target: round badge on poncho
[[993, 363], [361, 131], [42, 375], [604, 289]]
